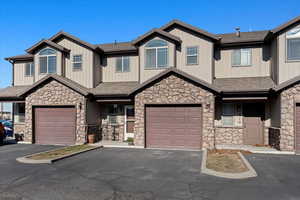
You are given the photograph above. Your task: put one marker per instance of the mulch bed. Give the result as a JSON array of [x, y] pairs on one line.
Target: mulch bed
[[60, 152], [229, 161]]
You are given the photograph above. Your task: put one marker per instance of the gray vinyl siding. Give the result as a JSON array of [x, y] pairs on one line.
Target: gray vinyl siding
[[146, 74], [84, 76], [275, 107], [19, 75], [93, 112], [274, 60], [109, 73], [260, 63], [97, 70], [202, 70], [37, 75], [287, 69]]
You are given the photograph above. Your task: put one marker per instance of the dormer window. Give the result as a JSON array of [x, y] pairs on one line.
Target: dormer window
[[156, 52], [293, 44], [47, 58]]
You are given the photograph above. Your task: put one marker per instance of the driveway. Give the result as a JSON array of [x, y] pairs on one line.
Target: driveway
[[141, 174]]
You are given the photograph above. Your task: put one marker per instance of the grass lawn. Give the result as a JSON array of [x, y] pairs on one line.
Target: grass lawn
[[56, 153], [225, 161]]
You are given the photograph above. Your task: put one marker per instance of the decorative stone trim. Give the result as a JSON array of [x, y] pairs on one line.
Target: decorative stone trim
[[56, 94], [175, 90], [248, 174], [289, 98]]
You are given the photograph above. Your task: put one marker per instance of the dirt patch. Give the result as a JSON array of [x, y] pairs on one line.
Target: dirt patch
[[60, 152], [225, 161]]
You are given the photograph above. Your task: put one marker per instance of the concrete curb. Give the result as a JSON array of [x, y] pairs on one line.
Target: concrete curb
[[27, 160], [248, 174]]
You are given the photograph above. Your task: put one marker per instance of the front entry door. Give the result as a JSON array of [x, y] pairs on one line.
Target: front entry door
[[129, 122], [253, 122]]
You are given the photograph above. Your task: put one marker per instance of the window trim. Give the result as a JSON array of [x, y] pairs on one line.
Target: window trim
[[76, 69], [240, 65], [286, 51], [186, 55], [31, 69], [156, 57], [122, 58], [47, 56]]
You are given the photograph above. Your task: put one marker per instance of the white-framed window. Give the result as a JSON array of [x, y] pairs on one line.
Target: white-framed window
[[122, 64], [77, 62], [47, 61], [192, 55], [19, 112], [241, 57], [228, 114], [29, 69], [293, 44], [156, 53]]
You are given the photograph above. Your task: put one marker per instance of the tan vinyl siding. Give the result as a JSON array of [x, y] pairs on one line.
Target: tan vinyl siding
[[19, 75], [203, 70], [97, 70], [146, 74], [84, 76], [110, 74], [260, 64], [287, 69], [37, 75]]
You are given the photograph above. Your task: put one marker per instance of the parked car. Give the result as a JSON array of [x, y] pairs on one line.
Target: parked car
[[8, 128]]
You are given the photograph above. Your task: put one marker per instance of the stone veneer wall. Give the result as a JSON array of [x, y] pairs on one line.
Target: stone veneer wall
[[51, 94], [288, 100], [229, 135], [175, 90]]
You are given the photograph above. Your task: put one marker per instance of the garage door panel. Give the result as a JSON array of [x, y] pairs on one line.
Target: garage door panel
[[55, 125], [174, 127]]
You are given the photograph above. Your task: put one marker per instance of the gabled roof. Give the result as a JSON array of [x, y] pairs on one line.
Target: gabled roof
[[287, 84], [117, 47], [114, 89], [173, 70], [48, 43], [63, 80], [22, 57], [286, 25], [63, 34], [194, 29], [245, 84], [243, 38], [156, 31]]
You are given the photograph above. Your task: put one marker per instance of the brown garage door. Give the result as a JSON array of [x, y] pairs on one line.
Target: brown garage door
[[297, 127], [174, 127], [55, 125]]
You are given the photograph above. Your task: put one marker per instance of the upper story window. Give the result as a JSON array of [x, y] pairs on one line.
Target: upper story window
[[156, 52], [29, 69], [293, 44], [77, 62], [47, 58], [241, 57], [192, 55], [122, 64]]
